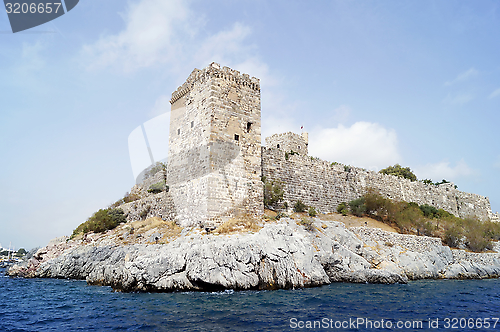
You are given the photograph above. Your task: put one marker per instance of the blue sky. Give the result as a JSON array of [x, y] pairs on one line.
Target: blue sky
[[374, 83]]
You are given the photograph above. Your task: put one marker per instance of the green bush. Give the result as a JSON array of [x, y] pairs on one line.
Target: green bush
[[158, 187], [273, 194], [407, 216], [342, 206], [453, 236], [312, 212], [477, 242], [101, 221], [299, 206], [130, 198], [402, 172], [429, 211], [427, 181], [376, 204], [357, 206], [492, 230], [442, 214]]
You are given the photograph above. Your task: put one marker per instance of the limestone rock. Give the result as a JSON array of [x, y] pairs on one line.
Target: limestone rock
[[281, 255]]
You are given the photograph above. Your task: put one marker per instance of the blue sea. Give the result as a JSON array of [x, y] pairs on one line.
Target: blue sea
[[431, 305]]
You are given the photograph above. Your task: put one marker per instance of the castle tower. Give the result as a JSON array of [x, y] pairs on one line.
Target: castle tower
[[289, 142], [214, 162]]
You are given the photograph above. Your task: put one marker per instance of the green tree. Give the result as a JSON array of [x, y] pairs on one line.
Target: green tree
[[273, 194], [398, 170]]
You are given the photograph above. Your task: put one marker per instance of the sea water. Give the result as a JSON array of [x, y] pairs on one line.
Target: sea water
[[429, 305]]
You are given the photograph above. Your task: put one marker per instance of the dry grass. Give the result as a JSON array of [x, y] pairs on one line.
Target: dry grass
[[243, 224], [146, 225], [169, 230], [269, 215]]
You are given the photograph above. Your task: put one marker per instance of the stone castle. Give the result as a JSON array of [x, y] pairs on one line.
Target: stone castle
[[216, 162]]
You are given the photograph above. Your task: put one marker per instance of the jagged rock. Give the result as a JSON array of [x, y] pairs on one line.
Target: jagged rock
[[280, 255]]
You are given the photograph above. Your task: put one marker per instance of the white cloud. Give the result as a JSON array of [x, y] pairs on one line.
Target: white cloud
[[458, 99], [443, 170], [463, 76], [169, 32], [154, 33], [364, 144], [495, 93]]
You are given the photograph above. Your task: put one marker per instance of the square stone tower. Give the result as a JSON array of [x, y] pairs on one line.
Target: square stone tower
[[289, 142], [214, 161]]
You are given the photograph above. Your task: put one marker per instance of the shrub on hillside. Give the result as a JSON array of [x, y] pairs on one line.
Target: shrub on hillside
[[408, 216], [357, 206], [312, 212], [376, 204], [343, 209], [101, 221], [158, 187], [453, 236], [427, 220], [130, 198], [299, 206], [429, 211], [398, 170]]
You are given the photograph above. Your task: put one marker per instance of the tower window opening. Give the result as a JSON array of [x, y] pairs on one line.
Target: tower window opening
[[178, 131], [192, 124], [298, 147], [249, 126], [278, 146], [236, 137]]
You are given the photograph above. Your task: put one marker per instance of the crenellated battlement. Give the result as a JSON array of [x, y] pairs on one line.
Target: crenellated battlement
[[215, 71]]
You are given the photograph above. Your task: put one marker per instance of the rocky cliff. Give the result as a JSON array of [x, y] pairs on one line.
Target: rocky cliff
[[282, 254]]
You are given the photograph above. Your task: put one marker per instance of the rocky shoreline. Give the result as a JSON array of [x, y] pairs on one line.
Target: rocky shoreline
[[283, 254]]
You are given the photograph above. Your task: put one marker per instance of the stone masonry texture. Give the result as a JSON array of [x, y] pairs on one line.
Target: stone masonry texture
[[324, 185], [214, 162]]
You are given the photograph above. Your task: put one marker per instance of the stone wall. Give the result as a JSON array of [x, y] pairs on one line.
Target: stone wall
[[325, 185], [150, 205], [154, 205]]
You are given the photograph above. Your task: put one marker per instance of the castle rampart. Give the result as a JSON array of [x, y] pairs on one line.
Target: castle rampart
[[325, 185]]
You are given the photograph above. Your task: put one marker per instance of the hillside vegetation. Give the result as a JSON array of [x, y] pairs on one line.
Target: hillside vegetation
[[411, 218]]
